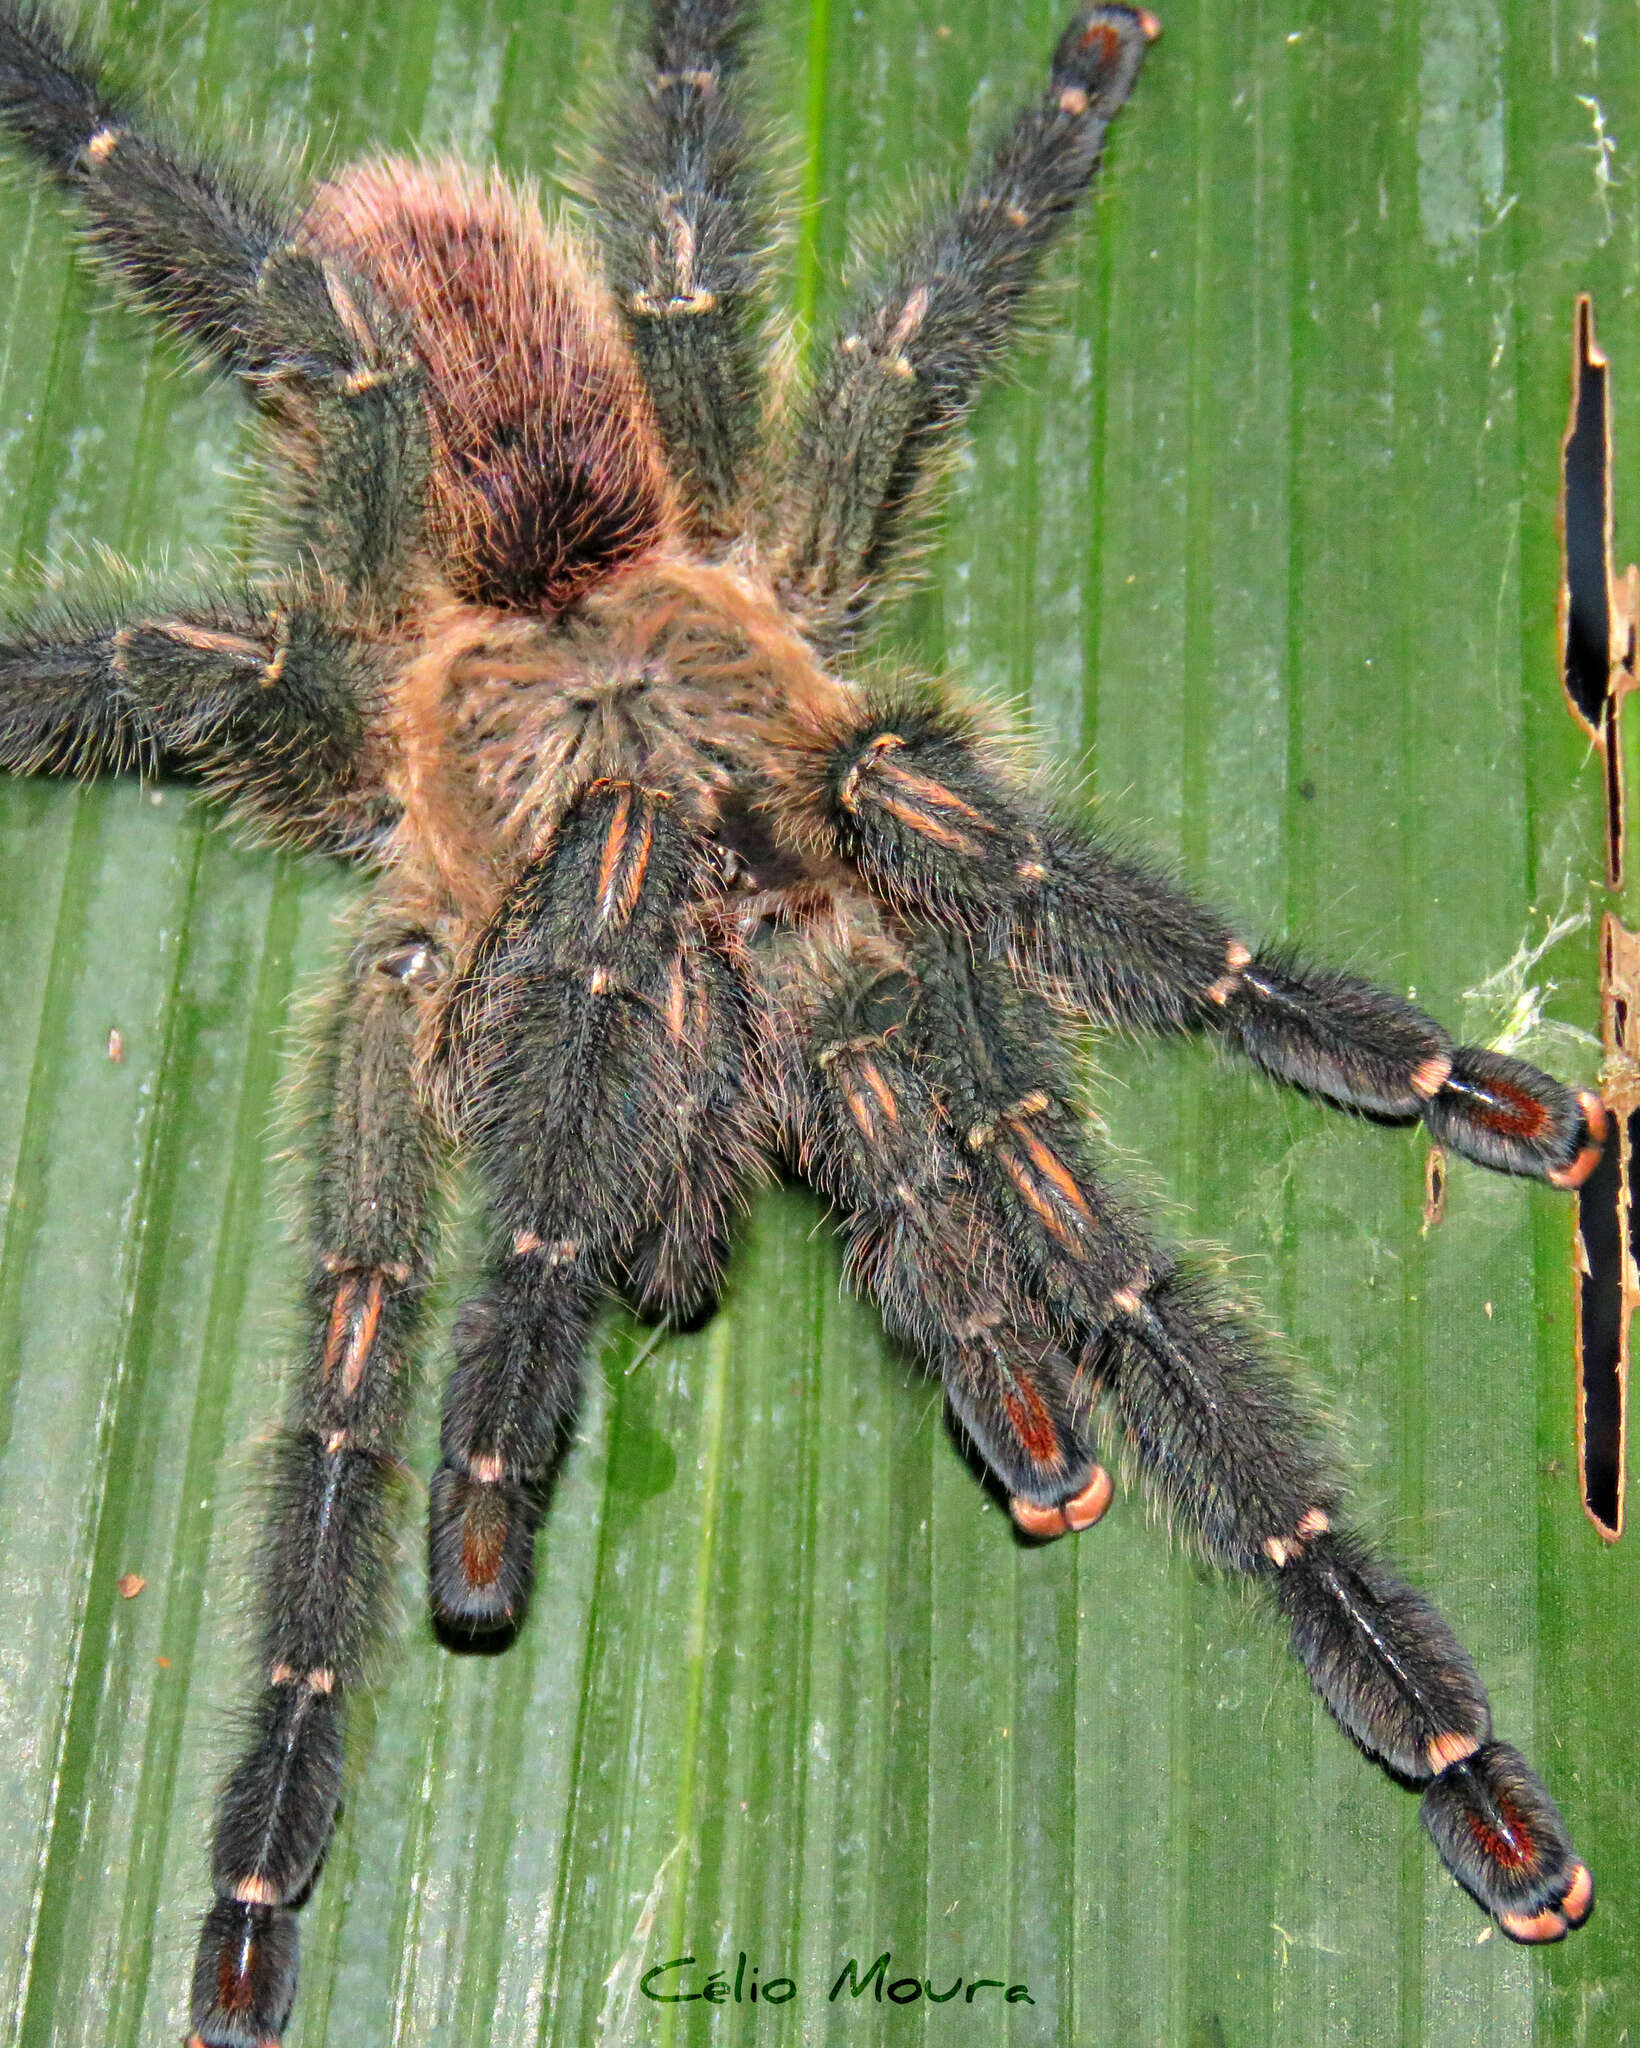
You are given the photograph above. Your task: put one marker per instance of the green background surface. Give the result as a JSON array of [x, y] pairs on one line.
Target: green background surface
[[1260, 538]]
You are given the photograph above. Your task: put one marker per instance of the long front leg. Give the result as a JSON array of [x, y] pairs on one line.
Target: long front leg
[[323, 1590], [684, 233], [908, 364], [601, 1052], [909, 792]]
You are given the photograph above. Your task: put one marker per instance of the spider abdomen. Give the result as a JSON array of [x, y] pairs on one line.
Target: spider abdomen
[[548, 474]]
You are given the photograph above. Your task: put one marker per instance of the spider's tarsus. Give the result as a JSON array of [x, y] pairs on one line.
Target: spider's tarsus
[[1099, 56], [1508, 1115], [245, 1976], [1502, 1837]]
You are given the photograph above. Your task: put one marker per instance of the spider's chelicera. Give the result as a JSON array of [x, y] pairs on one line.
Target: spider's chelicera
[[555, 637]]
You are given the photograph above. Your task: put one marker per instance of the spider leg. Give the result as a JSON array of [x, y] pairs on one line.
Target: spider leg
[[683, 234], [600, 1051], [872, 1133], [934, 1095], [221, 262], [908, 364], [264, 694], [908, 793], [322, 1595]]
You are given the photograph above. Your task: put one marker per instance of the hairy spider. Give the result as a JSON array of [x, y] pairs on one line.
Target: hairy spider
[[559, 646]]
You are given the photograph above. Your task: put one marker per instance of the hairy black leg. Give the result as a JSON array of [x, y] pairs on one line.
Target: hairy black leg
[[600, 1054], [934, 1105], [265, 694], [220, 260], [683, 234], [1219, 1433], [322, 1591], [907, 366], [908, 792], [871, 1133]]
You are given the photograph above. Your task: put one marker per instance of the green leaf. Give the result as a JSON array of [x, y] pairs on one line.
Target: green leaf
[[1261, 536]]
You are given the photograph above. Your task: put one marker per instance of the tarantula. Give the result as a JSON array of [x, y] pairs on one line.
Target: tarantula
[[559, 647]]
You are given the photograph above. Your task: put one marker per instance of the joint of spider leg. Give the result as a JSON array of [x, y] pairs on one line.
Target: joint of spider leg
[[273, 669], [102, 146], [1455, 1747], [981, 1135], [653, 308], [560, 1252], [399, 1271], [1236, 960], [355, 1320], [703, 82], [885, 742], [1430, 1076], [1281, 1550], [321, 1679]]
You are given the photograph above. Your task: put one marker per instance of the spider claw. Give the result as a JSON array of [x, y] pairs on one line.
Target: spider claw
[[1065, 1518], [1534, 1929], [1596, 1125]]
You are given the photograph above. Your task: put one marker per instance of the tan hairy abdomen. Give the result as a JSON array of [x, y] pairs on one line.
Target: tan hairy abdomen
[[548, 474]]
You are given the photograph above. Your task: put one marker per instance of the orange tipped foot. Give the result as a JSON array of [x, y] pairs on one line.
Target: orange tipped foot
[[1554, 1923], [1149, 26], [1068, 1517], [1503, 1839], [1596, 1124]]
